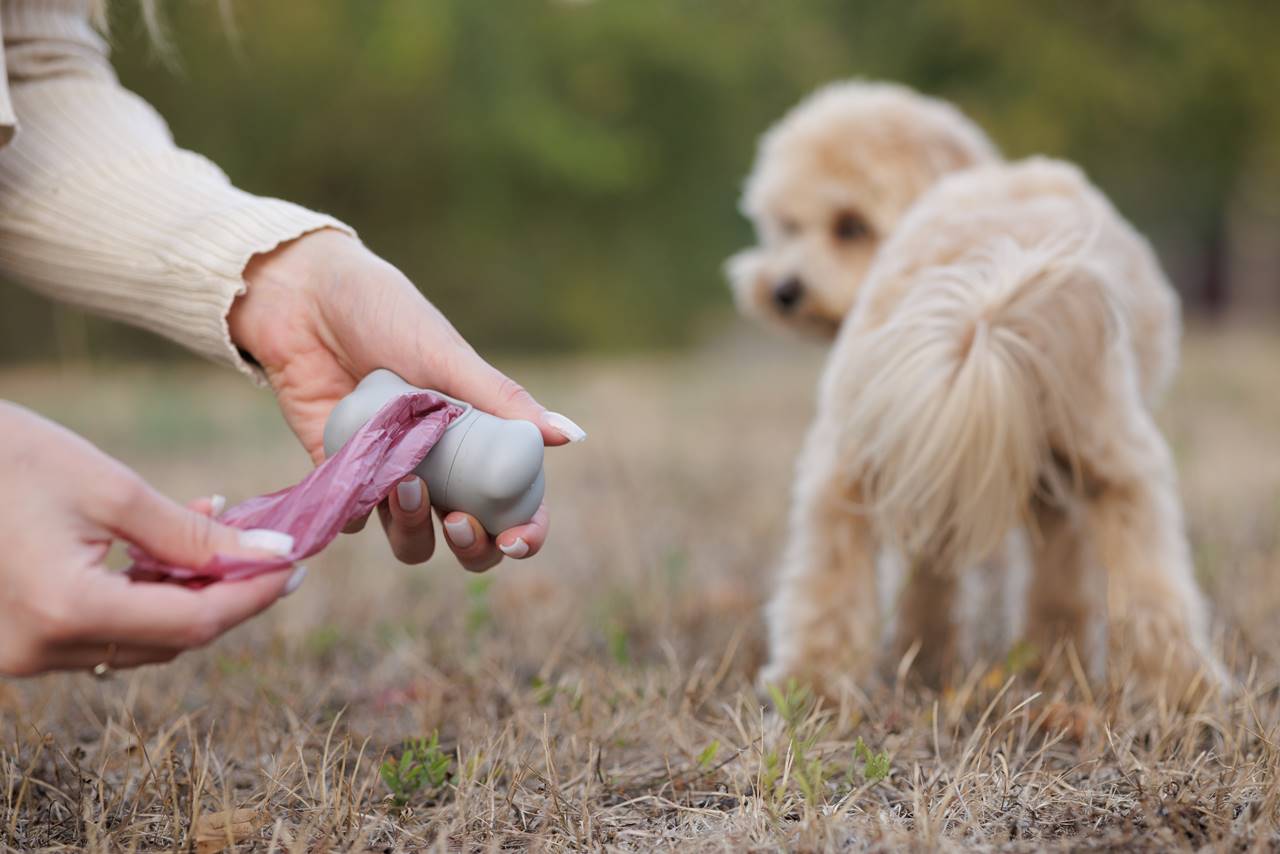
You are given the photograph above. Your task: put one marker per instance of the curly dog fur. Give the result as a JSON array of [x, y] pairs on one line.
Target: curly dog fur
[[1001, 334]]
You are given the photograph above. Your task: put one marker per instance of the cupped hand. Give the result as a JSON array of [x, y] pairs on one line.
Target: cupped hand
[[323, 311], [64, 503]]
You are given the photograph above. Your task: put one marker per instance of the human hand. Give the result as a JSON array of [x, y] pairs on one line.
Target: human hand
[[64, 502], [323, 311]]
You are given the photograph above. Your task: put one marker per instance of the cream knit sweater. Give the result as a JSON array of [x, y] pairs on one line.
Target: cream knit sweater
[[99, 208]]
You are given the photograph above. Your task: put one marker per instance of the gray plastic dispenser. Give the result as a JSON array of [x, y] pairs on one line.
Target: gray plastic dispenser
[[487, 466]]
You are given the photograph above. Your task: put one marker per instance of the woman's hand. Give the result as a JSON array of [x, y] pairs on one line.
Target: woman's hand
[[323, 311], [64, 502]]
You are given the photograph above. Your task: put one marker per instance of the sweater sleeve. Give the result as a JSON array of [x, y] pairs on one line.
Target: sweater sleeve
[[100, 209]]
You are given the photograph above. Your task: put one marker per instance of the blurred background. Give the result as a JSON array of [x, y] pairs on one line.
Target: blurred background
[[563, 176]]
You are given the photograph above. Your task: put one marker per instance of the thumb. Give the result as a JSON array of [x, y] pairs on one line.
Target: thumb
[[470, 378], [186, 537]]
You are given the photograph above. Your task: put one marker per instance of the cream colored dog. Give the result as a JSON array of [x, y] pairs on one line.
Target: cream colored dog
[[1002, 335]]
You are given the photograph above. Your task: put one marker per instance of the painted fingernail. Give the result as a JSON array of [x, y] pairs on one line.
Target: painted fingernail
[[460, 533], [565, 427], [267, 540], [409, 494], [217, 503], [517, 549], [295, 580]]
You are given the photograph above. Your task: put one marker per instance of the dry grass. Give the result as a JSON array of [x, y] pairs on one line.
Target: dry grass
[[600, 695]]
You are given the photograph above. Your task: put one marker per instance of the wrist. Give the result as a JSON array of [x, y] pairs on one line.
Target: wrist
[[282, 285]]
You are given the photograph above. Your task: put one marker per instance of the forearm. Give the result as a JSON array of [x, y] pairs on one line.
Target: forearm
[[99, 208]]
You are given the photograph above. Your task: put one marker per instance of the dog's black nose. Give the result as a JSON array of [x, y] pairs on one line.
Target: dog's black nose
[[788, 293]]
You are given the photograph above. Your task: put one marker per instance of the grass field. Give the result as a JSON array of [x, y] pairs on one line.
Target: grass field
[[600, 696]]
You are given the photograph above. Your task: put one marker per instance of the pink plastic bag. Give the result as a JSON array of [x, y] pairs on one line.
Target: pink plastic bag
[[344, 487]]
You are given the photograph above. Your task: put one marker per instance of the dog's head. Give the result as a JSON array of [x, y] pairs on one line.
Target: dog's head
[[830, 181]]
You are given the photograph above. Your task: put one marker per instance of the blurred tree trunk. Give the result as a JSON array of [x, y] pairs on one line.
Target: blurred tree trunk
[[1215, 287], [1253, 247]]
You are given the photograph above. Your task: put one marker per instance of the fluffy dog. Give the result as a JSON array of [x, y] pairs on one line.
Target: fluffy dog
[[1002, 334]]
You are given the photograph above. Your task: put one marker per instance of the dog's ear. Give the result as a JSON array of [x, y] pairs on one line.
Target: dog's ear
[[956, 142], [962, 151]]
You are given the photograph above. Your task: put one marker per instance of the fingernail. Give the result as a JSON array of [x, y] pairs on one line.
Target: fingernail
[[517, 549], [460, 533], [295, 581], [409, 494], [217, 503], [565, 427], [267, 540]]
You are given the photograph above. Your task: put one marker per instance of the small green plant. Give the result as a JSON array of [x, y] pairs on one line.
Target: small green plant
[[619, 643], [770, 774], [322, 640], [793, 702], [479, 615], [675, 566], [875, 766], [543, 691], [708, 754], [810, 773], [422, 765], [1021, 656]]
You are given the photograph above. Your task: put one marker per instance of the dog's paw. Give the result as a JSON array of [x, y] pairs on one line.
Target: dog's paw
[[1163, 660], [777, 680]]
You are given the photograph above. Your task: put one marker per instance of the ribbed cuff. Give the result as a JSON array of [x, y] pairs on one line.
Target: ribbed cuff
[[230, 228]]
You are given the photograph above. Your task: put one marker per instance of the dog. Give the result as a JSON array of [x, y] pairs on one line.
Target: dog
[[1001, 334]]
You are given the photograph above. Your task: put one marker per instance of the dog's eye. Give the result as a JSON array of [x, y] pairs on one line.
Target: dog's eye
[[849, 226]]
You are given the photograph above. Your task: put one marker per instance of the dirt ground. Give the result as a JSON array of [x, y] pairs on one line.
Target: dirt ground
[[600, 695]]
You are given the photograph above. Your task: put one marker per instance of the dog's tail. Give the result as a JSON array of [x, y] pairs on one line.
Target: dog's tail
[[963, 399]]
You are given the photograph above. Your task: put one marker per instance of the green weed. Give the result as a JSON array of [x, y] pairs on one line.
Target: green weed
[[875, 766], [421, 766]]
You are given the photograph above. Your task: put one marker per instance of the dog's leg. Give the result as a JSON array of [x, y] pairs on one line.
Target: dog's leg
[[926, 621], [1064, 600], [1157, 617], [823, 619]]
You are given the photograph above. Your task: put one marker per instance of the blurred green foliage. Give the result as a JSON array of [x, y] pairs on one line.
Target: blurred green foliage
[[564, 175]]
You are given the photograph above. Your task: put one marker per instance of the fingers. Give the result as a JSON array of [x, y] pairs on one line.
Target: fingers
[[211, 506], [468, 377], [477, 551], [525, 540], [469, 542], [179, 535], [167, 615], [87, 656], [406, 517], [356, 525]]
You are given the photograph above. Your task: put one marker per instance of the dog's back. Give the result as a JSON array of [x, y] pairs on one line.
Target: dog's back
[[988, 326], [1034, 203]]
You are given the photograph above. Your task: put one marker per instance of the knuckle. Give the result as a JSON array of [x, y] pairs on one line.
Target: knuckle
[[511, 393], [438, 362], [200, 533], [123, 493], [56, 621], [412, 548]]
